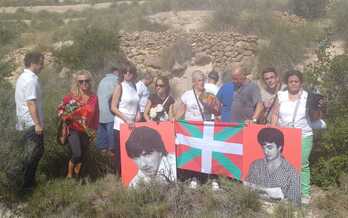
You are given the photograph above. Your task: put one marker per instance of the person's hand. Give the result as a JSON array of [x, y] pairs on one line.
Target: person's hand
[[249, 122], [321, 103], [38, 129], [138, 117], [131, 124], [275, 193]]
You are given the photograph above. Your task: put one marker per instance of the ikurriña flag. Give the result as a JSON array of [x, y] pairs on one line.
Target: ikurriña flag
[[210, 147]]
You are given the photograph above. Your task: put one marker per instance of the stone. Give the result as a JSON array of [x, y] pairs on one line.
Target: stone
[[153, 61], [178, 69], [202, 59], [64, 72]]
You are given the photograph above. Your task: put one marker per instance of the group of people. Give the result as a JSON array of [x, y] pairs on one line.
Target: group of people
[[120, 98]]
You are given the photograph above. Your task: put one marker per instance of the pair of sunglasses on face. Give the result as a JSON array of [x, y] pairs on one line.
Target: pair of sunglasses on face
[[86, 81], [160, 85]]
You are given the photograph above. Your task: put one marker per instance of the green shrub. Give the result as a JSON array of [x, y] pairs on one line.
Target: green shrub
[[339, 15], [309, 8], [107, 197], [95, 41], [332, 203], [330, 156]]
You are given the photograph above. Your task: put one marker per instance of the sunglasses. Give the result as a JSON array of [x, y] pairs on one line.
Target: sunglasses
[[160, 85], [128, 72], [84, 81]]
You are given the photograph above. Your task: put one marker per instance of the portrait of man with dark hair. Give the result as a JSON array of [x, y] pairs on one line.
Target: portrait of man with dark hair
[[146, 148], [273, 176]]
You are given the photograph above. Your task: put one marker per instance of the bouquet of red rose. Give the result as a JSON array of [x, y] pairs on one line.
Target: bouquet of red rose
[[73, 114]]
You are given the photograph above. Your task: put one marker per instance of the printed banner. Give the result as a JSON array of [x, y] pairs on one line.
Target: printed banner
[[229, 149], [148, 152], [208, 147]]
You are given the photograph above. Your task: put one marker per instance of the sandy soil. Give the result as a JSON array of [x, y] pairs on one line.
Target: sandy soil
[[63, 8]]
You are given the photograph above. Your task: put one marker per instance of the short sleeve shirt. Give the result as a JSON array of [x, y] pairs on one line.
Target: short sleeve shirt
[[27, 88], [144, 94], [244, 102], [225, 96], [211, 88], [268, 98], [192, 109], [104, 92]]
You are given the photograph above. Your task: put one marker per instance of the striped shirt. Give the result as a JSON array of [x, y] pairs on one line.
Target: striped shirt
[[285, 177]]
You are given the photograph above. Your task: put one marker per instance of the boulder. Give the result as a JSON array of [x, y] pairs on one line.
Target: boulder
[[153, 61], [178, 69], [202, 59]]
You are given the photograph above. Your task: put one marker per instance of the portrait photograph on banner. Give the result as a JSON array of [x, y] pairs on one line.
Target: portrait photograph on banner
[[272, 161], [148, 153]]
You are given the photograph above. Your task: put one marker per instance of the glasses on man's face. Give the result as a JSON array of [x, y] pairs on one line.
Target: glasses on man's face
[[84, 81], [131, 73], [160, 85]]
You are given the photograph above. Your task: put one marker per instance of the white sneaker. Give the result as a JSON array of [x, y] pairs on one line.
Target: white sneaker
[[306, 200], [193, 184], [215, 185]]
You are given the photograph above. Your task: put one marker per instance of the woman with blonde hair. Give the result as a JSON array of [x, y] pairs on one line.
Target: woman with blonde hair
[[80, 114]]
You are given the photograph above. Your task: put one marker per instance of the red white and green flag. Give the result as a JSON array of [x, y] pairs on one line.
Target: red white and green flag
[[210, 147]]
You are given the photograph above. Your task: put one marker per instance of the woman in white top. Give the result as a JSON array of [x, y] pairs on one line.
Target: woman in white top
[[189, 104], [290, 111], [192, 108], [124, 104]]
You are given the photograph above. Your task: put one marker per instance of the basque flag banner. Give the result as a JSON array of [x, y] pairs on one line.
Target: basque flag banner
[[210, 147]]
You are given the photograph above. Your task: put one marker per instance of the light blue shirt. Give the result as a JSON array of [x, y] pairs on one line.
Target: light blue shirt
[[105, 89]]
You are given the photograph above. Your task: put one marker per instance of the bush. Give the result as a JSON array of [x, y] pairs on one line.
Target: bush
[[339, 15], [330, 156], [332, 204], [282, 43], [309, 8], [95, 41], [107, 197]]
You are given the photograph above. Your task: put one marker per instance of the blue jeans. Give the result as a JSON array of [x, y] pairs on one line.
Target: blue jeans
[[106, 138]]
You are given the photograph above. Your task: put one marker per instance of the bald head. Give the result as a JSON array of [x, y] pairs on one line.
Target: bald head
[[238, 75]]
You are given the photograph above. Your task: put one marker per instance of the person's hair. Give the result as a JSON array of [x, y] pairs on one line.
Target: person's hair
[[271, 135], [144, 139], [127, 67], [75, 90], [293, 73], [113, 69], [165, 80], [269, 70], [240, 67], [33, 57], [148, 76], [214, 76], [197, 74]]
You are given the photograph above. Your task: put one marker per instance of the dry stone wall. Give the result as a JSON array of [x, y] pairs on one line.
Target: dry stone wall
[[145, 49]]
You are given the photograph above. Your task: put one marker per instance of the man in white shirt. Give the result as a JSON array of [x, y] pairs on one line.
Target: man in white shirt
[[210, 86], [143, 92], [30, 119]]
